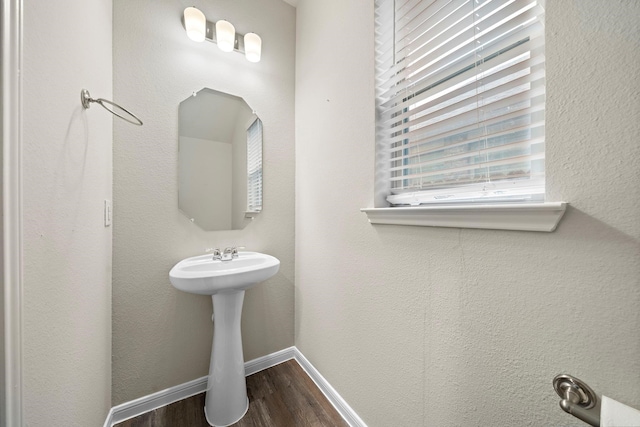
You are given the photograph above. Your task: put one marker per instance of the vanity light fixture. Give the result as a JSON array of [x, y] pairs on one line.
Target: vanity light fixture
[[223, 33]]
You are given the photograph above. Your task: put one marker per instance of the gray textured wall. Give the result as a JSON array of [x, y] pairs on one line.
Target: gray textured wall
[[161, 336], [459, 327], [66, 168]]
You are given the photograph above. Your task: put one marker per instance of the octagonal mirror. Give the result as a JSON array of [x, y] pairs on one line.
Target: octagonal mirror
[[219, 160]]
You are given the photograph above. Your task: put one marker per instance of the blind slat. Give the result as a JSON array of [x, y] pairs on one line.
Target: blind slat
[[481, 157], [505, 125], [484, 19], [429, 147], [513, 68], [498, 51], [494, 109], [518, 160], [475, 100], [466, 38]]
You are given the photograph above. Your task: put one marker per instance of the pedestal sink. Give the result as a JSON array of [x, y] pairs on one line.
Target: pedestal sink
[[226, 398]]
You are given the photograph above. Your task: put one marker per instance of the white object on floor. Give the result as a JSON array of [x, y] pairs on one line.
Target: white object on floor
[[616, 414]]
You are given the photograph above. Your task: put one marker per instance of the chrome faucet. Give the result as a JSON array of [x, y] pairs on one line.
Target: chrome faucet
[[228, 254], [231, 253], [216, 253]]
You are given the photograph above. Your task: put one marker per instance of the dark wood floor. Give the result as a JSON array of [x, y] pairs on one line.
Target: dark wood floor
[[281, 396]]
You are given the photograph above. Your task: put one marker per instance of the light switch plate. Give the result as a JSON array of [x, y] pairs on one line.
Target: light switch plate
[[107, 213]]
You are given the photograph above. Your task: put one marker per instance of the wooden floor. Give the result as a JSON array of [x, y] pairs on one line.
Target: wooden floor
[[281, 396]]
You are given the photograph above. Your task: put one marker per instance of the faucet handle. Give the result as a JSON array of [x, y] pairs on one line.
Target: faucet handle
[[216, 252], [234, 251]]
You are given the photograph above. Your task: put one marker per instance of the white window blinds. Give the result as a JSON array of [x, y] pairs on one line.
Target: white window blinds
[[254, 166], [460, 100]]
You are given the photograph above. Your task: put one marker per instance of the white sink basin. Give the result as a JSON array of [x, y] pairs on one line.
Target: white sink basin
[[202, 275]]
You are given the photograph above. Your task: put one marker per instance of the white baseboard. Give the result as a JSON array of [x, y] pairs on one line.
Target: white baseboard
[[139, 406], [265, 362], [330, 393], [144, 404]]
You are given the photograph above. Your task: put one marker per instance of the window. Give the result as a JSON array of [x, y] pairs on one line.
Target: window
[[460, 100], [254, 166]]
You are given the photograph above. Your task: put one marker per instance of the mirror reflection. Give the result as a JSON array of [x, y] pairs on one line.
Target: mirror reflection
[[219, 160]]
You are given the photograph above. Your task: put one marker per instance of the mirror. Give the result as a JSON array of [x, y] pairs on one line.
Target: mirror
[[219, 160]]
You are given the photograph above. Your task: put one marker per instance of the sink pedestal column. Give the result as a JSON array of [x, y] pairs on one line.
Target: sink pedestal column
[[226, 398]]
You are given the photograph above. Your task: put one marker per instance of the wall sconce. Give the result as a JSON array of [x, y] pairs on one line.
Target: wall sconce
[[252, 47], [195, 23], [223, 33]]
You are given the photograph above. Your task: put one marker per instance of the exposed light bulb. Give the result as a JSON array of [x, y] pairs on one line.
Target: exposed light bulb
[[195, 23], [252, 47], [225, 35]]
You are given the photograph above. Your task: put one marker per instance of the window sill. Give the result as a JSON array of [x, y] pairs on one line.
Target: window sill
[[251, 214], [523, 217]]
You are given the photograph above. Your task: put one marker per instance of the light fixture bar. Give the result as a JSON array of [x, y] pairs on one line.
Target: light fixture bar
[[222, 33], [238, 46]]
